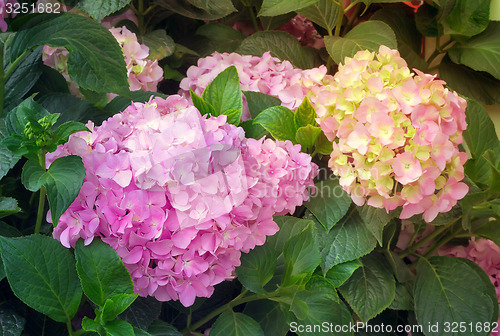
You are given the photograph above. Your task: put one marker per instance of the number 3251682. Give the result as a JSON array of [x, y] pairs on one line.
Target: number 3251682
[[24, 8]]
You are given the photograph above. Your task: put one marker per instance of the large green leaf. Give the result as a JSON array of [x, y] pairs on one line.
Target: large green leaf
[[329, 203], [305, 114], [350, 239], [95, 61], [199, 9], [72, 108], [22, 79], [63, 181], [101, 8], [257, 268], [160, 328], [279, 121], [8, 206], [467, 18], [271, 317], [7, 160], [222, 37], [230, 323], [451, 290], [477, 85], [159, 43], [323, 306], [375, 220], [101, 272], [116, 305], [301, 255], [482, 52], [224, 95], [258, 102], [306, 136], [278, 7], [491, 231], [368, 35], [118, 328], [41, 272], [323, 13], [11, 324], [142, 312], [408, 38], [339, 274], [480, 134], [371, 288], [280, 44]]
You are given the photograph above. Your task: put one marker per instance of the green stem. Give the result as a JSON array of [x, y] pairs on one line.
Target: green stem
[[338, 25], [140, 16], [41, 200], [428, 238], [253, 17], [353, 17], [70, 328], [240, 299], [13, 65]]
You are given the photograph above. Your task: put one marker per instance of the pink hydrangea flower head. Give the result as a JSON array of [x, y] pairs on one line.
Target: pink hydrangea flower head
[[397, 134], [179, 196], [264, 74]]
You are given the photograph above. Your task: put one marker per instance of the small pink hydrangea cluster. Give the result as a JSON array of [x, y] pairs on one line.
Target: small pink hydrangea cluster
[[143, 74], [264, 74], [6, 12], [398, 134], [179, 196], [483, 252], [303, 29]]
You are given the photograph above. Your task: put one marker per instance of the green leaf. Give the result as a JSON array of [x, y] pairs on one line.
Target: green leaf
[[350, 239], [442, 296], [257, 268], [17, 118], [72, 108], [7, 160], [324, 13], [478, 85], [305, 114], [159, 43], [160, 328], [119, 328], [8, 206], [142, 312], [301, 255], [375, 220], [101, 8], [467, 18], [323, 307], [222, 37], [280, 44], [224, 94], [481, 52], [230, 323], [92, 325], [258, 102], [120, 103], [199, 9], [323, 145], [289, 227], [63, 181], [41, 272], [11, 324], [254, 131], [490, 230], [339, 274], [371, 288], [22, 79], [426, 20], [271, 317], [480, 134], [404, 297], [368, 35], [278, 7], [279, 121], [329, 203], [116, 305], [203, 106], [408, 38], [101, 272], [62, 133], [307, 136], [140, 332], [95, 61]]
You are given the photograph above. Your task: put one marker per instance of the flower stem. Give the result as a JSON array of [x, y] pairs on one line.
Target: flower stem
[[338, 26], [240, 299], [13, 65], [253, 18], [41, 200]]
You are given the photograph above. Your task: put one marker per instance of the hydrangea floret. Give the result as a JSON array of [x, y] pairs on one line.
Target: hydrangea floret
[[265, 74], [395, 134], [143, 73], [179, 196]]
